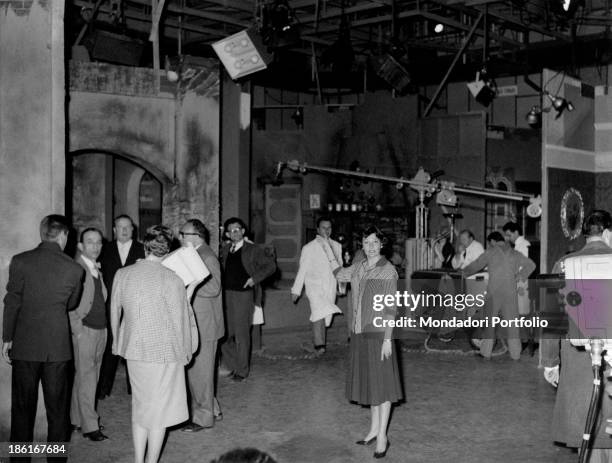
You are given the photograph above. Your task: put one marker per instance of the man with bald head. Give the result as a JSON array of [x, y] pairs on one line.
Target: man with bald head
[[121, 252], [207, 305]]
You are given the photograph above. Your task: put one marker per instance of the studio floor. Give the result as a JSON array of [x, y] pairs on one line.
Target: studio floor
[[458, 408]]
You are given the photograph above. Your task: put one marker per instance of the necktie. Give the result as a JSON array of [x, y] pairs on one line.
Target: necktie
[[233, 249]]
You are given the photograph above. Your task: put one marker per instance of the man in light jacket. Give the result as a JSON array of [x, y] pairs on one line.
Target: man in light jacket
[[318, 260]]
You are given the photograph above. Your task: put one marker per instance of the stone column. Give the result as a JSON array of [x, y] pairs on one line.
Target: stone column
[[236, 149], [32, 140]]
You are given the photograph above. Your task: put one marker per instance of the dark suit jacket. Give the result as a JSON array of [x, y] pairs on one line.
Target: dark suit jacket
[[44, 284], [111, 262], [257, 264], [207, 299]]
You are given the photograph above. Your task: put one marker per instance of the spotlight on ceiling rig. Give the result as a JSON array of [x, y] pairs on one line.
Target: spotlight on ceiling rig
[[242, 53], [534, 117], [560, 104], [483, 89]]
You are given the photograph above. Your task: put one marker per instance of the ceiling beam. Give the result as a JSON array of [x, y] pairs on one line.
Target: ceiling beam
[[335, 12], [464, 27], [222, 18], [243, 5], [147, 19]]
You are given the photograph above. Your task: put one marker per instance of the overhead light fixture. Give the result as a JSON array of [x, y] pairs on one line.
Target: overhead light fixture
[[534, 117], [279, 27], [280, 16], [242, 53], [560, 104], [438, 28], [393, 72], [483, 89], [568, 7]]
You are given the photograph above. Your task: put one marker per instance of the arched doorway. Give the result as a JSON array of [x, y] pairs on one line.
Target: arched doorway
[[102, 185]]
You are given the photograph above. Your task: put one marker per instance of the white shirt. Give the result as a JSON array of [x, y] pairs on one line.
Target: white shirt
[[522, 245], [92, 266], [124, 250], [236, 246], [471, 253]]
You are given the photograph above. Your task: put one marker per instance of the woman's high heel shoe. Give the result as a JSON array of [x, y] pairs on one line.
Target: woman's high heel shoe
[[384, 453], [366, 442]]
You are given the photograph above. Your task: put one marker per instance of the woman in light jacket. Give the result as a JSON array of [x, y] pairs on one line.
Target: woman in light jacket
[[154, 337], [373, 377]]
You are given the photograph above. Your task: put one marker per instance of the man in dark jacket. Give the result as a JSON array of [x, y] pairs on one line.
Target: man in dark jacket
[[121, 252], [44, 284], [244, 266]]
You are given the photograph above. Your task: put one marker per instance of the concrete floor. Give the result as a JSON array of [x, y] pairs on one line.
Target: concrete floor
[[458, 408]]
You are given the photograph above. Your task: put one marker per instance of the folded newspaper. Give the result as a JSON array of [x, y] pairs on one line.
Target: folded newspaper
[[187, 264]]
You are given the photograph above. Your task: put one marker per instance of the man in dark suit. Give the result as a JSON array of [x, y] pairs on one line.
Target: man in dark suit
[[43, 285], [121, 252], [245, 266], [208, 308]]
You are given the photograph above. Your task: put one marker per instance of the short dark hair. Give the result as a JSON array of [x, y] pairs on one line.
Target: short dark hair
[[200, 229], [158, 240], [52, 225], [247, 455], [232, 220], [123, 216], [495, 236], [512, 227], [90, 229], [596, 222], [374, 230], [323, 219], [468, 233]]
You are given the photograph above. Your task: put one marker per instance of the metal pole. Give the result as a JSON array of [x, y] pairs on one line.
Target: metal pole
[[464, 47], [429, 187]]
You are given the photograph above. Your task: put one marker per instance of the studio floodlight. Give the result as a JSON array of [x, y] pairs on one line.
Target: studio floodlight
[[483, 89]]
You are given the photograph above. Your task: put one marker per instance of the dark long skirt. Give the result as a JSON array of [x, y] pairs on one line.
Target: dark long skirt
[[370, 380]]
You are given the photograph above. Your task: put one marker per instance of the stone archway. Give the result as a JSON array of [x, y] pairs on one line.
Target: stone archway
[[102, 184]]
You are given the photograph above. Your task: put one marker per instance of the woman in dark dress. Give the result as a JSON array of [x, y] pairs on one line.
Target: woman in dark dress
[[373, 377]]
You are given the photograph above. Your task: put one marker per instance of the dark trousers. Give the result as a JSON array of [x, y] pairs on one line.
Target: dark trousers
[[236, 349], [55, 378], [108, 369]]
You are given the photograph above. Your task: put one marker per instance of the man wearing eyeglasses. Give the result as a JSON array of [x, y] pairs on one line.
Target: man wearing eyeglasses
[[245, 265], [208, 308]]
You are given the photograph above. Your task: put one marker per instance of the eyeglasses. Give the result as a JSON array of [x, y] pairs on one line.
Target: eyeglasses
[[235, 230], [183, 234]]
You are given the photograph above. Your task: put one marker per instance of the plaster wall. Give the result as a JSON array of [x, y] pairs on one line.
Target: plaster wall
[[32, 141], [175, 136]]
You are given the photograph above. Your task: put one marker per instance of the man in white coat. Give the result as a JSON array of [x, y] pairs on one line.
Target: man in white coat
[[318, 261]]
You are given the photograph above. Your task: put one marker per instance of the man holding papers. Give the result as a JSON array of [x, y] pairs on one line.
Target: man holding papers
[[208, 308]]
